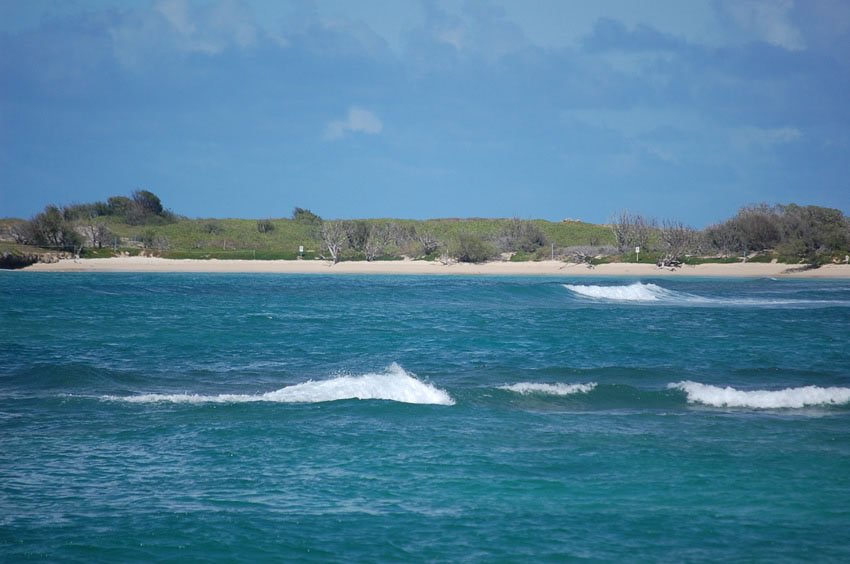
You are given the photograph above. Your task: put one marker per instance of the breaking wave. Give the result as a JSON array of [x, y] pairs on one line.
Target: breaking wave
[[637, 292], [762, 399], [395, 384], [648, 292], [549, 389]]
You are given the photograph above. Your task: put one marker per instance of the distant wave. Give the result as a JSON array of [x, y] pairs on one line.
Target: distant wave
[[762, 399], [648, 292], [549, 389], [394, 384]]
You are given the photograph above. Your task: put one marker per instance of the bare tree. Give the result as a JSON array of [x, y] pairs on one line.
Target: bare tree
[[643, 229], [679, 240], [377, 240], [621, 225], [97, 233], [521, 235], [334, 236], [581, 254], [632, 230], [22, 232], [427, 241]]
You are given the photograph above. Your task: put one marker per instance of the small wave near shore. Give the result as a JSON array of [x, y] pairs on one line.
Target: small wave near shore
[[526, 388], [641, 292], [637, 292], [789, 398], [394, 384]]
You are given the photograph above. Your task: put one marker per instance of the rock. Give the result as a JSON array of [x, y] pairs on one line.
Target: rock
[[10, 260]]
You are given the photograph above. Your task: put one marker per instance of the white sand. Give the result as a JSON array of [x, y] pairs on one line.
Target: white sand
[[551, 268]]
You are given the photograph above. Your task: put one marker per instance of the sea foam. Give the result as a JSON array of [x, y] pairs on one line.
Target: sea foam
[[394, 384], [637, 292], [550, 389], [648, 292], [762, 399]]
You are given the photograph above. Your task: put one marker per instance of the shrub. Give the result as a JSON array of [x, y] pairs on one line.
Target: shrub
[[520, 235], [50, 229], [213, 228], [303, 215], [147, 202], [118, 205], [472, 248]]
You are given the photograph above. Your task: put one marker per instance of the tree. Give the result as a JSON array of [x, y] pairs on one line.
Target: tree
[[757, 227], [82, 212], [97, 233], [150, 240], [811, 231], [119, 205], [472, 248], [632, 230], [143, 207], [427, 240], [723, 237], [50, 229], [378, 240], [802, 232], [521, 235], [334, 236], [147, 202], [679, 240], [621, 226], [305, 216], [358, 234], [265, 226]]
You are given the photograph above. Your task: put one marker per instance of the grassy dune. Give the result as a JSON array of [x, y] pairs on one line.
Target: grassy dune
[[240, 238]]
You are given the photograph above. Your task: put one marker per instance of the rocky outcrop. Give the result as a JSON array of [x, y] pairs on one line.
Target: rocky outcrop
[[10, 260]]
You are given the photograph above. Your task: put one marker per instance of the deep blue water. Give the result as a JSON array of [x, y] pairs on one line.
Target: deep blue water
[[166, 417]]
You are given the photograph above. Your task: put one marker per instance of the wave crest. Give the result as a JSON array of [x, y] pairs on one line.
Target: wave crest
[[395, 384], [637, 292], [648, 292], [805, 396], [526, 388]]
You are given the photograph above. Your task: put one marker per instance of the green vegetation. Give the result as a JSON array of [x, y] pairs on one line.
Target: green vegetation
[[141, 224], [788, 233]]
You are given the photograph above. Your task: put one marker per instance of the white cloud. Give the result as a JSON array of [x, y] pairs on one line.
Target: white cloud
[[766, 137], [170, 26], [766, 20], [357, 121], [176, 12]]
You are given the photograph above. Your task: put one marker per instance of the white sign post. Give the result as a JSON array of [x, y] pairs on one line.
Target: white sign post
[[637, 254]]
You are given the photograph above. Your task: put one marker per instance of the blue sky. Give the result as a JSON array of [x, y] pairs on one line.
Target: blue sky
[[537, 109]]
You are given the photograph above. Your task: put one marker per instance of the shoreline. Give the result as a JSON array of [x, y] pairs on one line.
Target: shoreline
[[424, 268]]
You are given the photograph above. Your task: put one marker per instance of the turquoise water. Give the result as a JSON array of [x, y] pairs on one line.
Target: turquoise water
[[165, 417]]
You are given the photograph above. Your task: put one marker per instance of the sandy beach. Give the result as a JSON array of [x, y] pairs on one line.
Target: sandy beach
[[410, 267]]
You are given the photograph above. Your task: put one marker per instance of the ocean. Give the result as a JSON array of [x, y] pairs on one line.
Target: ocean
[[265, 417]]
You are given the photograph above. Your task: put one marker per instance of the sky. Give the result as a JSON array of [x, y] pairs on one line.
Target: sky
[[551, 109]]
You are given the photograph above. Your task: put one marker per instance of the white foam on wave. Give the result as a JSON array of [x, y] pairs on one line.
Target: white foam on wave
[[550, 389], [637, 292], [788, 398], [395, 384], [640, 292]]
